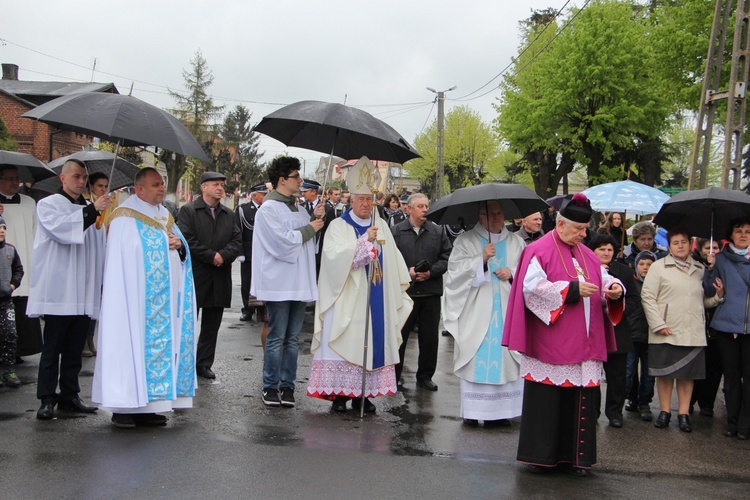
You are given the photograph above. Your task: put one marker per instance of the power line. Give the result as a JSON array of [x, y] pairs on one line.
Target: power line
[[428, 117], [169, 89], [519, 55]]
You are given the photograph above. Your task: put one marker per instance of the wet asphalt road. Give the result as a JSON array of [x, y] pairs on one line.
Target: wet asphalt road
[[231, 446]]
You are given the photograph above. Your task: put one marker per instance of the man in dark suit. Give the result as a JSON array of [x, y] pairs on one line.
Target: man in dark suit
[[214, 241], [425, 248], [310, 191], [245, 217]]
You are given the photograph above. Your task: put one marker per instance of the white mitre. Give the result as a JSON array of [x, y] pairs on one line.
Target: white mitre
[[363, 177]]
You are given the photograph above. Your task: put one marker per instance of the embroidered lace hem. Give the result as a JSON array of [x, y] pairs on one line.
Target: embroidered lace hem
[[585, 374], [331, 378]]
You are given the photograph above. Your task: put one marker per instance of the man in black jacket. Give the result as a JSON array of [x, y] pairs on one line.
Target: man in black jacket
[[424, 246], [214, 241], [245, 217]]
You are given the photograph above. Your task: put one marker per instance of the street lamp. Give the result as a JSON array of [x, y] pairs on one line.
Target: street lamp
[[440, 172]]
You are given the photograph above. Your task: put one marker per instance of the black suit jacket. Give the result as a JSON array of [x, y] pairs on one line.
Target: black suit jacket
[[205, 237]]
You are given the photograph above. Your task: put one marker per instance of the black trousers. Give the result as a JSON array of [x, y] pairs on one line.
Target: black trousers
[[735, 356], [210, 323], [704, 391], [614, 368], [64, 338], [246, 273], [426, 314], [558, 425]]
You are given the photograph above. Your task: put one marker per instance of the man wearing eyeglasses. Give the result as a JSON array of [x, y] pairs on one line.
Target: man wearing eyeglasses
[[283, 275], [19, 211]]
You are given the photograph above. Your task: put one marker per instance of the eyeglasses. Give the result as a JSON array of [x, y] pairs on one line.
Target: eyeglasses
[[10, 179], [295, 176]]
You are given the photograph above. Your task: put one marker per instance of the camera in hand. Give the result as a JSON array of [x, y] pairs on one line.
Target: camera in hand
[[422, 266]]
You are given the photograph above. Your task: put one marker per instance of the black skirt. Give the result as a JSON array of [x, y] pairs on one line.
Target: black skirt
[[558, 425], [676, 361]]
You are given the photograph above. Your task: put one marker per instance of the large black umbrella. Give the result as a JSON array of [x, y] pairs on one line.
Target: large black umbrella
[[29, 168], [706, 212], [337, 129], [95, 161], [123, 119], [462, 206]]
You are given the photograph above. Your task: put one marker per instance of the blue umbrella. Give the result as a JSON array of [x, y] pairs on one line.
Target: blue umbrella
[[626, 196]]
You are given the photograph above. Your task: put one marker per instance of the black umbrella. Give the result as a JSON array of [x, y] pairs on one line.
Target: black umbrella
[[556, 201], [29, 168], [95, 161], [462, 206], [123, 119], [340, 130], [707, 213]]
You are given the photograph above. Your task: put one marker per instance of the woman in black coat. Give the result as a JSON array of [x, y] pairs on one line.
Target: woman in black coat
[[605, 247]]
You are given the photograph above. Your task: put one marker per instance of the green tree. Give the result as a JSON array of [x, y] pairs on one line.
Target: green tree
[[471, 149], [587, 98], [7, 143], [522, 123], [236, 152], [197, 110]]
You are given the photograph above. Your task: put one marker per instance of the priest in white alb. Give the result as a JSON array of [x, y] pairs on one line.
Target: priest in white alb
[[65, 288], [146, 357], [477, 286], [354, 243]]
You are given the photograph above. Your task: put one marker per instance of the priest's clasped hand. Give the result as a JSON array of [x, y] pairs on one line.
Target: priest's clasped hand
[[614, 292], [504, 274], [587, 289], [175, 243], [372, 233]]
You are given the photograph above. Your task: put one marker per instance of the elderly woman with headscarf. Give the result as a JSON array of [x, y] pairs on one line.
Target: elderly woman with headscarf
[[731, 322], [673, 300]]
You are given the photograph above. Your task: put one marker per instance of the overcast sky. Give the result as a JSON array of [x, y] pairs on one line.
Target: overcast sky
[[378, 56]]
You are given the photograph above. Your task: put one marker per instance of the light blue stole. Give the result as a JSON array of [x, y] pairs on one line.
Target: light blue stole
[[159, 350], [489, 357]]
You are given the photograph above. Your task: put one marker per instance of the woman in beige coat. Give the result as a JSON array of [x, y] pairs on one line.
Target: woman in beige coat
[[674, 303]]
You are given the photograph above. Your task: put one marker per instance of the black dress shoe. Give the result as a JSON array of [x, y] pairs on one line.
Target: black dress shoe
[[707, 412], [427, 384], [662, 420], [369, 407], [246, 316], [576, 471], [743, 436], [149, 419], [502, 422], [46, 412], [470, 422], [684, 423], [730, 434], [75, 405], [538, 469], [123, 421], [615, 422], [205, 372], [339, 404], [631, 406]]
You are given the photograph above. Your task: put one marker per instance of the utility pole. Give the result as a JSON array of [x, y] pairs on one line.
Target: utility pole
[[440, 172], [734, 94]]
